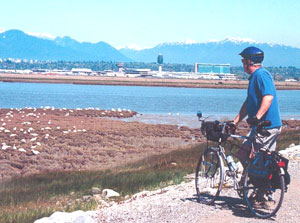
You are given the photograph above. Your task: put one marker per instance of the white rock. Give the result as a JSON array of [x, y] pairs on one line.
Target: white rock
[[108, 193], [73, 217]]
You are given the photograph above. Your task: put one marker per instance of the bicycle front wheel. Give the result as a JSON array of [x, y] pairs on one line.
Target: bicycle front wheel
[[209, 176], [262, 199]]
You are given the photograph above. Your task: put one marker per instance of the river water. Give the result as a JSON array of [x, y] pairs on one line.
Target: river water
[[164, 102]]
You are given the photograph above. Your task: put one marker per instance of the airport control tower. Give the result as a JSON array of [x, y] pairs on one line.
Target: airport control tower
[[160, 60], [120, 67]]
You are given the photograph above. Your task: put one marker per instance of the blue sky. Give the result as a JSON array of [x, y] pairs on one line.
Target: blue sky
[[148, 23]]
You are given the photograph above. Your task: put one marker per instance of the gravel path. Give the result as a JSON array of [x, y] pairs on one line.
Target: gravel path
[[178, 204]]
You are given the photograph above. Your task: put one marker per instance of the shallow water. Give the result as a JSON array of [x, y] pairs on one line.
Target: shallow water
[[183, 120]]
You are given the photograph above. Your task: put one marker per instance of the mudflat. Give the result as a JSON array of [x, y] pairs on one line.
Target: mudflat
[[138, 81], [47, 139]]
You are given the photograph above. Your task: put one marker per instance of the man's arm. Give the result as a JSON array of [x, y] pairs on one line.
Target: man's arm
[[242, 114], [265, 105]]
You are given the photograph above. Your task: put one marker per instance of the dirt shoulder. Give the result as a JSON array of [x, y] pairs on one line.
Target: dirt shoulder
[[127, 81]]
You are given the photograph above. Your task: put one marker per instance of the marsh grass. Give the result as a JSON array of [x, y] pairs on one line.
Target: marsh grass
[[29, 198], [287, 138]]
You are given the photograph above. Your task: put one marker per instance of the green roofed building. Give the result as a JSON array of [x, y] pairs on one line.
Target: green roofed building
[[207, 68], [214, 71]]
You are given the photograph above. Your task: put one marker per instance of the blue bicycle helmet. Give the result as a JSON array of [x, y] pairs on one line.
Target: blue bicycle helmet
[[253, 54]]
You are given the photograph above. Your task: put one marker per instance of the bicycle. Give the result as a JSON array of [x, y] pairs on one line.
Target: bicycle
[[210, 170]]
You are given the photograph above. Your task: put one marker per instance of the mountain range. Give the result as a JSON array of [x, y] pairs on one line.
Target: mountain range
[[17, 44]]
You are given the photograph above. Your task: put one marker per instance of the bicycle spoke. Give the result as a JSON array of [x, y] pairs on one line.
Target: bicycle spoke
[[209, 176]]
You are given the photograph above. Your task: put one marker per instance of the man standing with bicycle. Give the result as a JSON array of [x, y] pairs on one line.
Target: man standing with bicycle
[[261, 103]]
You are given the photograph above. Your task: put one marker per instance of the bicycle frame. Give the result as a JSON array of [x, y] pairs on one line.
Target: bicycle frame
[[221, 150], [248, 187]]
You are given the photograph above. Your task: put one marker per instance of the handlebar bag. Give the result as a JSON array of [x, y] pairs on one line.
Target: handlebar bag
[[212, 130]]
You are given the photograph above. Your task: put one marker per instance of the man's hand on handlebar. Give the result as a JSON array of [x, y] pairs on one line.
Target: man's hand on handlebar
[[253, 120], [230, 127]]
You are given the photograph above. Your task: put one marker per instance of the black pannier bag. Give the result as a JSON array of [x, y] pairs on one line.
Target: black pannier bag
[[264, 169], [212, 130], [261, 167], [275, 179]]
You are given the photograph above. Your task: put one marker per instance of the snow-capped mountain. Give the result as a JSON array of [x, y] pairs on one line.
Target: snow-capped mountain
[[224, 51], [19, 45], [42, 35]]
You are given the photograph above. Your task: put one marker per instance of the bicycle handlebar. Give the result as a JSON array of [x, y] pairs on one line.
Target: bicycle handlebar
[[259, 128]]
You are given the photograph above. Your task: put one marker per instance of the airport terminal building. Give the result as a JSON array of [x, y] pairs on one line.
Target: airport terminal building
[[214, 71]]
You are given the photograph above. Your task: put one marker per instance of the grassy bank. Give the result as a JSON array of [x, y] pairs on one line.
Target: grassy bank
[[29, 198]]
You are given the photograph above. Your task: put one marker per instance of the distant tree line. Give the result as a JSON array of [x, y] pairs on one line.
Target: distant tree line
[[279, 73]]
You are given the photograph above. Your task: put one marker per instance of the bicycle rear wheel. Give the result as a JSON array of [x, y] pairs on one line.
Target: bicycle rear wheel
[[209, 176], [262, 200]]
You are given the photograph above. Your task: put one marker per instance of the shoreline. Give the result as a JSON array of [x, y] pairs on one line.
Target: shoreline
[[138, 81], [190, 121]]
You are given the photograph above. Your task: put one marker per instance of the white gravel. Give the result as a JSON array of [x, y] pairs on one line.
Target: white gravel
[[178, 204]]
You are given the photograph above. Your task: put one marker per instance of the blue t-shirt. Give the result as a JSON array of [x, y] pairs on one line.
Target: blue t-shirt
[[261, 84]]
